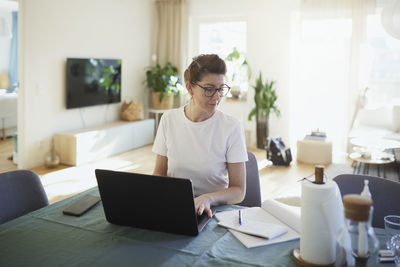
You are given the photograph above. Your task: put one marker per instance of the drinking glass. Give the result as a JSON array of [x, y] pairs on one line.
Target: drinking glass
[[392, 227], [395, 247]]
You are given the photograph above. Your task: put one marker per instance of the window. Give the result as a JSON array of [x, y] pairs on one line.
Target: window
[[320, 79], [223, 38], [380, 64]]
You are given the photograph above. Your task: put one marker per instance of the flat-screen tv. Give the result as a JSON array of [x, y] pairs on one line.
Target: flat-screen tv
[[92, 81]]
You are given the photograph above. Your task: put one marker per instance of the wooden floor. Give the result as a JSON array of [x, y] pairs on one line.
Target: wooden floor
[[65, 181], [6, 151]]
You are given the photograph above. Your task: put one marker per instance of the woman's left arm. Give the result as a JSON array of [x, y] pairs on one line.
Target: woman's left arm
[[232, 195]]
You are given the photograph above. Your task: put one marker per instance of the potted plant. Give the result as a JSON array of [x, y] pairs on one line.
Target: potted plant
[[237, 63], [164, 83], [265, 100]]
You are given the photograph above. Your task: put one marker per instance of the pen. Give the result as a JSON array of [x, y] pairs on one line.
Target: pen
[[240, 217]]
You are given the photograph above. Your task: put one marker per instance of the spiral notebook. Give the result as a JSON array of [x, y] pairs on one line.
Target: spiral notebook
[[273, 223]]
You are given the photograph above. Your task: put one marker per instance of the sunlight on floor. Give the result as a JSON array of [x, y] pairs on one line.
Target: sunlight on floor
[[69, 181]]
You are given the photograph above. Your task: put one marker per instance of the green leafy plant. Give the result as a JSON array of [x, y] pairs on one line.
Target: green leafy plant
[[264, 98], [164, 80], [237, 61]]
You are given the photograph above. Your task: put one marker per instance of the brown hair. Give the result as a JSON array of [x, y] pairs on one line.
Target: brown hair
[[204, 64]]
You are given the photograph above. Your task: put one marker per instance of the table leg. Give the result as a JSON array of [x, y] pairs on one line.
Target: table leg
[[397, 163], [384, 171], [366, 168], [359, 168]]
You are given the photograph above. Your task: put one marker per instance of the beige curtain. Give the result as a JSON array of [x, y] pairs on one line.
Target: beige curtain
[[325, 71], [169, 39]]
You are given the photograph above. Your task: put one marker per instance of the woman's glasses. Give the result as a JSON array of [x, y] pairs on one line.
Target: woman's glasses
[[209, 91]]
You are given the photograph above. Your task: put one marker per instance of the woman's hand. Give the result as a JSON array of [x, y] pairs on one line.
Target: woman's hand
[[231, 195], [203, 204]]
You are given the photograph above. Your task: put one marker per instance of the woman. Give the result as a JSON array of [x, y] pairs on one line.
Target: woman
[[201, 143]]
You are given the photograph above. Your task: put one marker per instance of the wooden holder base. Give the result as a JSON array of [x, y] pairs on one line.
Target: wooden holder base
[[300, 262]]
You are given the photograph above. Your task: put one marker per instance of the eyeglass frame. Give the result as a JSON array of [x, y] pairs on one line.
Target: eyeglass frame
[[215, 90]]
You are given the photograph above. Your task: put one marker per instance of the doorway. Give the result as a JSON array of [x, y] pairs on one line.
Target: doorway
[[8, 84]]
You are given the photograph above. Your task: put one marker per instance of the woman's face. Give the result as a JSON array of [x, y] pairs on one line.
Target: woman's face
[[209, 81]]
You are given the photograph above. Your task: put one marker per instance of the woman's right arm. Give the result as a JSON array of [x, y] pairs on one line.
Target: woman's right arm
[[161, 167]]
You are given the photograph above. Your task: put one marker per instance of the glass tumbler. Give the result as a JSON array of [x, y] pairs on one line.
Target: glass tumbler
[[392, 227], [395, 247]]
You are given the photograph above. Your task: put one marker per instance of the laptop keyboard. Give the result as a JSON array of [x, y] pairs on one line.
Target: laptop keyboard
[[202, 217]]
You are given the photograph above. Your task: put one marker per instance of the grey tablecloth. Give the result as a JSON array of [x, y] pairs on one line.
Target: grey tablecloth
[[46, 237]]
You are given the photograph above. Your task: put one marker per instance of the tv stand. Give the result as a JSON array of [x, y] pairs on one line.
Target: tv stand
[[88, 144]]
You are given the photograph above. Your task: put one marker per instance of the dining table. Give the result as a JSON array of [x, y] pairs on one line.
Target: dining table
[[47, 237]]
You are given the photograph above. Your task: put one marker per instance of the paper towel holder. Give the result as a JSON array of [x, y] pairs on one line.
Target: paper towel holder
[[319, 179], [300, 262], [319, 174]]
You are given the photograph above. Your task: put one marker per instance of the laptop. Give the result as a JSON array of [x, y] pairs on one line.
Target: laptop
[[152, 202]]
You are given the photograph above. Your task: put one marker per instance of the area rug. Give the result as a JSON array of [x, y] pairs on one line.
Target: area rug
[[337, 169]]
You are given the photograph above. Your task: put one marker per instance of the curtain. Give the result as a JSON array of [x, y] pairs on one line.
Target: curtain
[[325, 78], [169, 39], [13, 70]]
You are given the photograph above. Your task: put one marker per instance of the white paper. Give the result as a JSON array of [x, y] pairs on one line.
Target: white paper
[[256, 228], [261, 215]]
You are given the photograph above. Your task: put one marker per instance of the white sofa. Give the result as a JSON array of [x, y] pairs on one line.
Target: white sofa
[[378, 122], [8, 113]]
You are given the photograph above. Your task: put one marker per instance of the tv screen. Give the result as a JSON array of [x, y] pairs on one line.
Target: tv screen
[[92, 81]]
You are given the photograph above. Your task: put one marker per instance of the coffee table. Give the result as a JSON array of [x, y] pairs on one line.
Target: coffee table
[[371, 151], [359, 160]]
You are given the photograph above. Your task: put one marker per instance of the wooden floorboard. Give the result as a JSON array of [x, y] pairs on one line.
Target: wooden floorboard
[[6, 151], [65, 181]]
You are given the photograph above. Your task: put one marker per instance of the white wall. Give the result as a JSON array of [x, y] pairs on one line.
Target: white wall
[[53, 30], [268, 51]]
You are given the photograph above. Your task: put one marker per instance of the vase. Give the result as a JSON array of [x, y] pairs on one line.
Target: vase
[[52, 159], [262, 129], [166, 103]]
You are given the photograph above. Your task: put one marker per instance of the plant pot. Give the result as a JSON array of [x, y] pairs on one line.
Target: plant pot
[[262, 130], [166, 103]]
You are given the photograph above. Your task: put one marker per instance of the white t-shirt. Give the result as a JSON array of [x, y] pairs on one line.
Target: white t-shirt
[[200, 150]]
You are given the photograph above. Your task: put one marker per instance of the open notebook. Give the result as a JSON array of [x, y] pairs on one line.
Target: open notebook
[[275, 221]]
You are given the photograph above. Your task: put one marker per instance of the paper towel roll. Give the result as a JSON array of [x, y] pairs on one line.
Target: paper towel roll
[[321, 220]]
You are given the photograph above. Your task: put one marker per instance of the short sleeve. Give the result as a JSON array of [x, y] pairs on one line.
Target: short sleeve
[[236, 146], [160, 145]]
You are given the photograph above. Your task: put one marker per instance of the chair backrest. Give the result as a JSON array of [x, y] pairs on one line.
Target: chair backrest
[[21, 192], [253, 193], [385, 194]]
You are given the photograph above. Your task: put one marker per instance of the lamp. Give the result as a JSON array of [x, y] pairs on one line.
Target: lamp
[[391, 18], [4, 28]]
